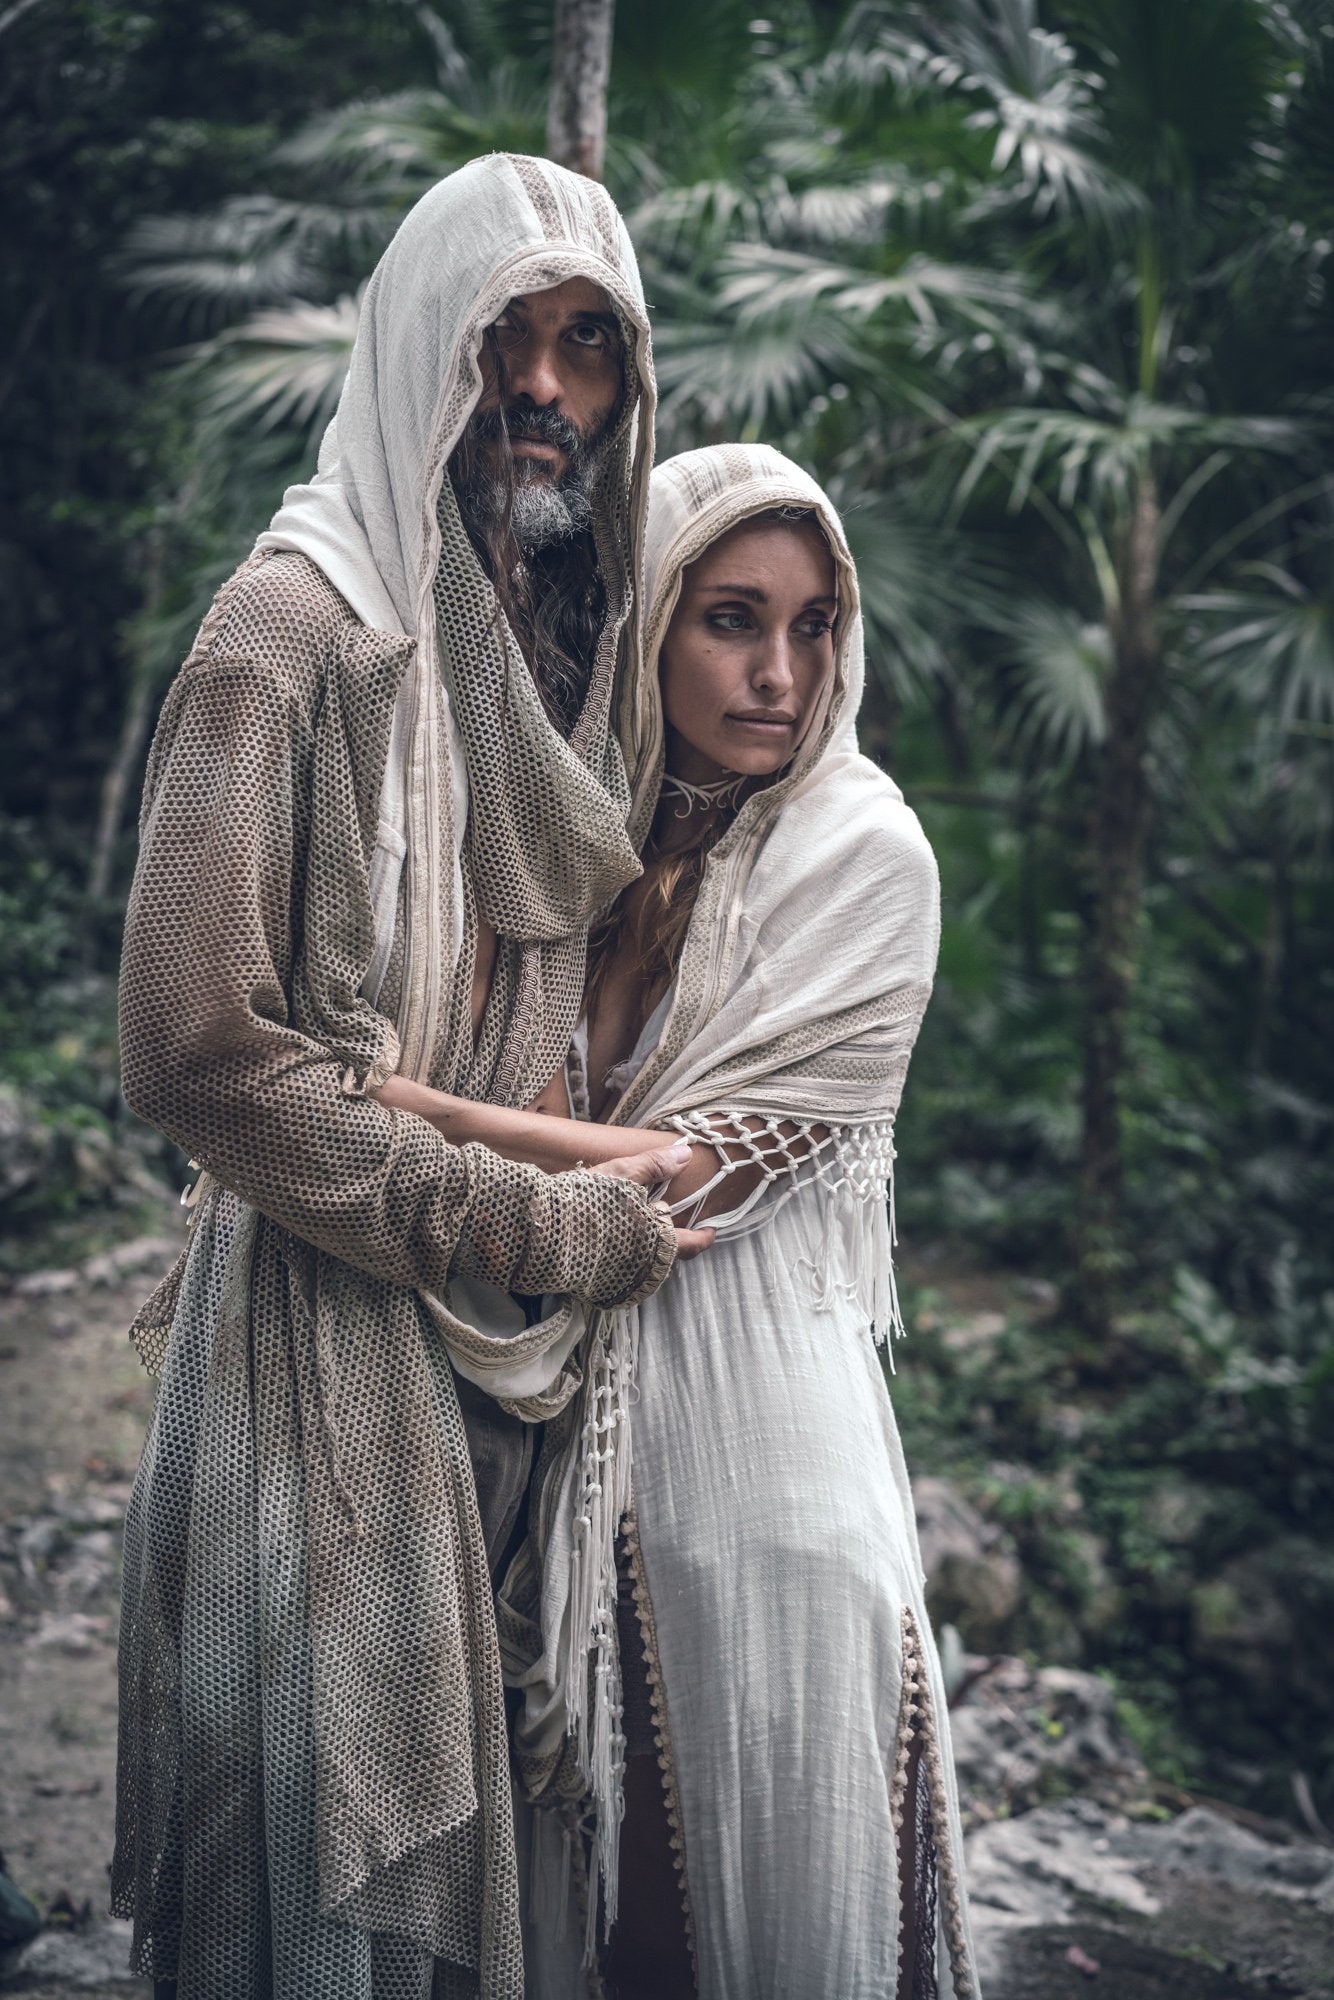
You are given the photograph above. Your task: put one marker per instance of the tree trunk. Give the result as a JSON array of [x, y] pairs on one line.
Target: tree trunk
[[580, 66], [1118, 831]]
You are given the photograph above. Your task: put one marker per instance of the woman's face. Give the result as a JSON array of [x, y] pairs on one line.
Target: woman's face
[[748, 651]]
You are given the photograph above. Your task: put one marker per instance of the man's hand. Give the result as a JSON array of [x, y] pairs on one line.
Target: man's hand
[[653, 1169]]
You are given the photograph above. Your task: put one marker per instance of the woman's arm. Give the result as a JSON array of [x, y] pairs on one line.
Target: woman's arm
[[535, 1138], [540, 1138]]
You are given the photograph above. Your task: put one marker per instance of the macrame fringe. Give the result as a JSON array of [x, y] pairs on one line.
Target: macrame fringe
[[860, 1240], [590, 1665]]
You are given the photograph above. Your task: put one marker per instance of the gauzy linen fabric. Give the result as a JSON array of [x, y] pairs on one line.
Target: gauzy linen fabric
[[777, 1571], [314, 1791]]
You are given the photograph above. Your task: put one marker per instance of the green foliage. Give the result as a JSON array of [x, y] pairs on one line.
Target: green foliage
[[996, 272], [1172, 1505]]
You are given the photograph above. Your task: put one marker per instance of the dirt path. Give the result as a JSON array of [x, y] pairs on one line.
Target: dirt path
[[74, 1405]]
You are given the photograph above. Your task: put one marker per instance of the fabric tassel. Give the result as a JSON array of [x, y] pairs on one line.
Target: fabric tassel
[[590, 1666], [886, 1313]]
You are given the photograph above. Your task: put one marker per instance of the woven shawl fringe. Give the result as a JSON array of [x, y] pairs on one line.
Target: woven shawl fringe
[[860, 1244], [589, 1662]]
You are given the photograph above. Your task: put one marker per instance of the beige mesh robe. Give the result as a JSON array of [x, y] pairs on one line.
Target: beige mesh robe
[[740, 1415], [351, 767]]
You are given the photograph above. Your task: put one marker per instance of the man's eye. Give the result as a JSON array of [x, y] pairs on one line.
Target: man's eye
[[507, 331], [589, 335]]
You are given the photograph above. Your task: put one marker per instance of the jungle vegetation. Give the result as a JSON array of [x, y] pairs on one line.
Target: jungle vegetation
[[1041, 289]]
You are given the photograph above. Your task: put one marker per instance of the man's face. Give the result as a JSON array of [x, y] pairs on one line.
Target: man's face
[[559, 350], [552, 379]]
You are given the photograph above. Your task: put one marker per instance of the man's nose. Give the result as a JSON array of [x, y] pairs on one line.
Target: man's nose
[[532, 373], [773, 672]]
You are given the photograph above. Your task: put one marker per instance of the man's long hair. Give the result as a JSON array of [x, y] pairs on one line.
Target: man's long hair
[[553, 598]]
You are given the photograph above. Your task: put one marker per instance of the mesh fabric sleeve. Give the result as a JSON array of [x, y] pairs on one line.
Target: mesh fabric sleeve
[[212, 1057]]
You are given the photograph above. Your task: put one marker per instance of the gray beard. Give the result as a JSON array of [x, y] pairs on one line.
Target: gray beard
[[545, 514]]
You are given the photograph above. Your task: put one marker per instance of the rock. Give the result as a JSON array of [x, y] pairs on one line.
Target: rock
[[976, 1330], [141, 1253], [973, 1576], [1041, 1870], [86, 1572], [97, 1957], [1204, 1842], [19, 1919], [106, 1267], [71, 1631], [1199, 1888], [1025, 1734], [44, 1284]]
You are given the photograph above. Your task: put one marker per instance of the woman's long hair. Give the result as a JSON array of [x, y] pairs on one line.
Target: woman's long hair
[[656, 931]]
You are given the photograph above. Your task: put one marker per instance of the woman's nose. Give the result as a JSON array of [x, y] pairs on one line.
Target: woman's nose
[[773, 673]]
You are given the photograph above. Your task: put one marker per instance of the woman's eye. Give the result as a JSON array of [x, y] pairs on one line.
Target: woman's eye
[[815, 628], [729, 621]]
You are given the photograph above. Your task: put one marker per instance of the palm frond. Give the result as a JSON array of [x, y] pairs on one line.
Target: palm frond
[[398, 146], [1100, 457], [719, 379], [902, 556], [280, 370], [1274, 645], [202, 270], [758, 282], [1042, 108], [1052, 706]]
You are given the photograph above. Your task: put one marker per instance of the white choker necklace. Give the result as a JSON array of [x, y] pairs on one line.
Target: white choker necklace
[[721, 793]]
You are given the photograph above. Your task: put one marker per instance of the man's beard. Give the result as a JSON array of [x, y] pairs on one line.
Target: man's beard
[[533, 537], [542, 512]]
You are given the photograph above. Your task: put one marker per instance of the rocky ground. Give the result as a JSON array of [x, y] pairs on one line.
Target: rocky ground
[[1086, 1877]]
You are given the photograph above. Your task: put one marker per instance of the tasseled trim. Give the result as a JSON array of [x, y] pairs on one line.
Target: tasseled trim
[[853, 1164], [589, 1666], [661, 1726], [917, 1725]]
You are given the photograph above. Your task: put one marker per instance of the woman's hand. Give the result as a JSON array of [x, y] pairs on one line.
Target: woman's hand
[[659, 1164]]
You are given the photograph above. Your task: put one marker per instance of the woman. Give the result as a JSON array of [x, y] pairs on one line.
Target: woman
[[758, 991]]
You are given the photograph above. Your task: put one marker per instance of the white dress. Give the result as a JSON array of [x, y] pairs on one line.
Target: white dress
[[781, 1599]]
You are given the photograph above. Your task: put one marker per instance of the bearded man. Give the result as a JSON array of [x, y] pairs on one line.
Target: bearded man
[[382, 806]]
